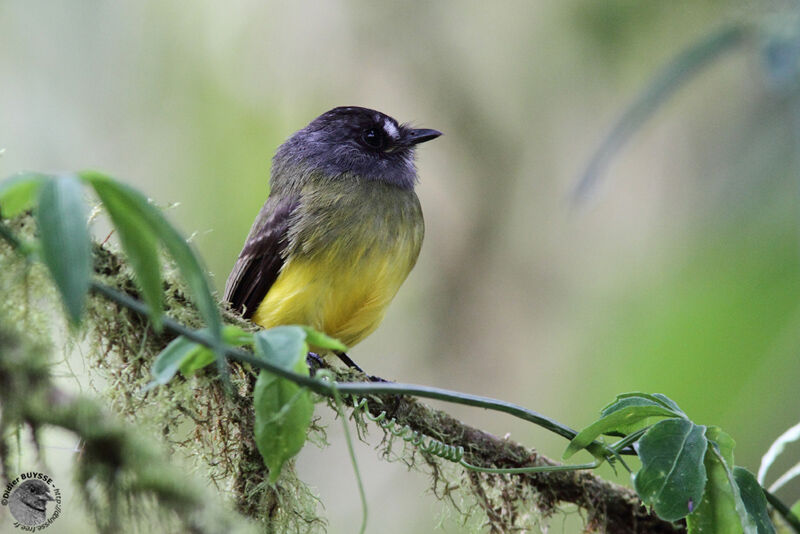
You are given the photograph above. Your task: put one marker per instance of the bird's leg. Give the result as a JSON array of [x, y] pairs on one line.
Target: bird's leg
[[353, 365], [348, 362], [315, 363]]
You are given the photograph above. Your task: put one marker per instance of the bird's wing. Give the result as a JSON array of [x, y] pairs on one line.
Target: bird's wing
[[262, 256]]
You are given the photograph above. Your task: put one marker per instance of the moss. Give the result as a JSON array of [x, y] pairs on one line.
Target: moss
[[478, 501], [209, 431], [124, 478]]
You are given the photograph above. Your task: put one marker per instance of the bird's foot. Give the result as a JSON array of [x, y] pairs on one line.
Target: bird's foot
[[314, 362]]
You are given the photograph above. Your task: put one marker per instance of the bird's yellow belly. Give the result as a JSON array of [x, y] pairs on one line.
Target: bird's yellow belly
[[343, 293]]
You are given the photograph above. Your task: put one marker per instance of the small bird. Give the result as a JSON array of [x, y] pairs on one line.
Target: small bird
[[340, 231], [28, 503]]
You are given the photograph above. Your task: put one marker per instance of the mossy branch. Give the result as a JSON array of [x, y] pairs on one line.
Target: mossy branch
[[221, 431], [116, 464]]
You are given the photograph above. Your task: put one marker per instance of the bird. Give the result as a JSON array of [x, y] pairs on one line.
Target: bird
[[340, 231], [28, 503]]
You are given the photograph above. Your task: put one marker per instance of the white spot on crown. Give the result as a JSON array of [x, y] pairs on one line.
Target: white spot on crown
[[390, 129]]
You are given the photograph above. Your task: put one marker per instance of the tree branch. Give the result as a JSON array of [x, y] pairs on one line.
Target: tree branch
[[115, 461], [223, 424], [608, 506]]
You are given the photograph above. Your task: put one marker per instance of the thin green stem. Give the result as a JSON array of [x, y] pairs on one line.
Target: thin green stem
[[359, 388], [350, 449], [629, 439], [319, 386], [353, 388], [175, 327], [623, 446], [783, 510], [529, 470]]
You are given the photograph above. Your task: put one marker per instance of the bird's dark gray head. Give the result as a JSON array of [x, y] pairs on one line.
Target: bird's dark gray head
[[352, 141], [28, 503]]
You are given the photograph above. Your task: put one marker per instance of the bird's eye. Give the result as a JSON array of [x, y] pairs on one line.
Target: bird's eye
[[373, 138]]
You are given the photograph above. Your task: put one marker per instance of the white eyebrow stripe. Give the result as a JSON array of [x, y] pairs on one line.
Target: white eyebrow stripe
[[390, 129]]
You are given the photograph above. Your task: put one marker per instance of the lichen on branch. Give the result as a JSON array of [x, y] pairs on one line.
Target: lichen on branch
[[212, 431]]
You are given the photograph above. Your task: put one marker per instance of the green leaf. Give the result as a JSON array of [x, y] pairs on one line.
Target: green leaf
[[177, 246], [716, 512], [170, 360], [197, 361], [754, 500], [139, 242], [317, 339], [283, 409], [283, 345], [188, 356], [231, 335], [64, 238], [673, 76], [283, 415], [668, 403], [722, 446], [18, 192], [626, 415], [236, 336], [639, 398], [672, 476], [724, 442]]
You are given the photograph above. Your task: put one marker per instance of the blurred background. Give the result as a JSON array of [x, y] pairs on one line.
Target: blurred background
[[679, 274]]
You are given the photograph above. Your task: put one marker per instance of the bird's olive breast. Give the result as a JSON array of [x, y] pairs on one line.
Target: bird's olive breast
[[353, 217]]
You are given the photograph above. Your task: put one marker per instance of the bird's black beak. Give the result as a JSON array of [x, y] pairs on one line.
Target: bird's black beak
[[415, 137]]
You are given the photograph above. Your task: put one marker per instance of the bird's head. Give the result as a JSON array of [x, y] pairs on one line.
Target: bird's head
[[35, 494], [352, 141]]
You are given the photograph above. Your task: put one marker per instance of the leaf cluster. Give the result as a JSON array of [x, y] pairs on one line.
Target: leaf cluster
[[687, 469]]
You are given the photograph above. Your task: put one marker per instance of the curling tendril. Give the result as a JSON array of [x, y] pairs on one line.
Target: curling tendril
[[452, 453]]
